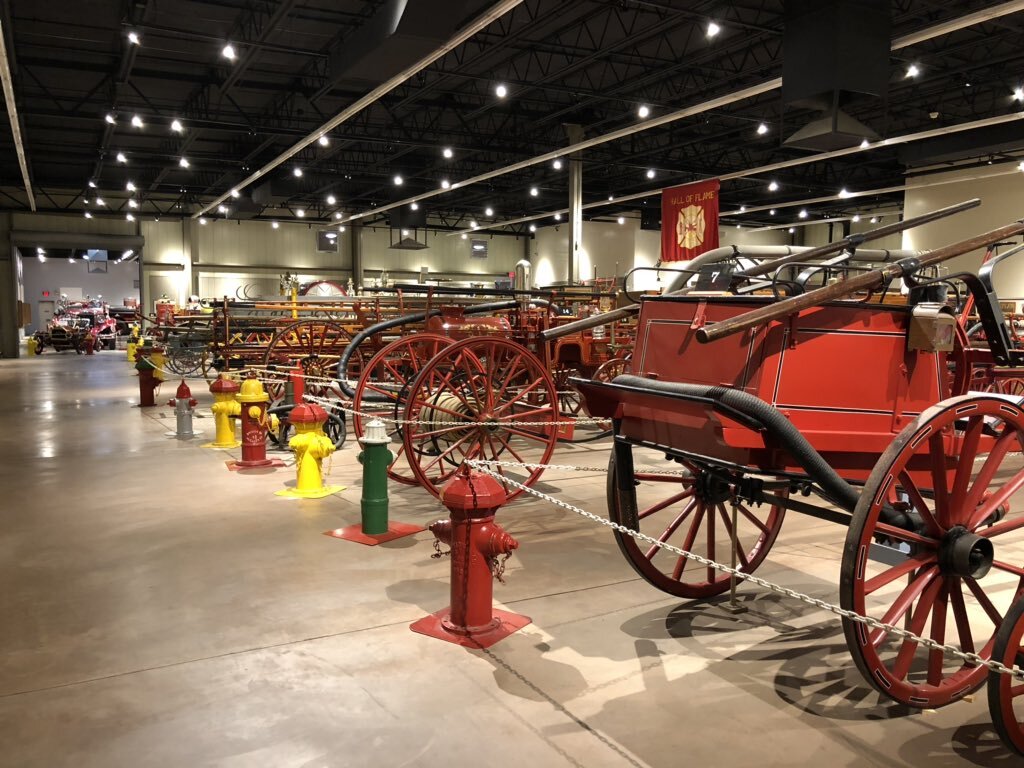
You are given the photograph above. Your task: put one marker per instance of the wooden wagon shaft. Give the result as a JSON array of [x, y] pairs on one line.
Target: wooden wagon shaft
[[766, 267], [770, 266], [865, 281]]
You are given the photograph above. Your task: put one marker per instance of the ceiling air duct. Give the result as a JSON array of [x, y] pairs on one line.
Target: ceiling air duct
[[834, 51]]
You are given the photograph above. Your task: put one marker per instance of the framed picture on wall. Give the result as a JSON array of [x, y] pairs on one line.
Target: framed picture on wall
[[96, 266]]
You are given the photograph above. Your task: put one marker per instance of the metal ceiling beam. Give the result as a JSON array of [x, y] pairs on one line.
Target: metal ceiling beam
[[496, 12], [12, 113]]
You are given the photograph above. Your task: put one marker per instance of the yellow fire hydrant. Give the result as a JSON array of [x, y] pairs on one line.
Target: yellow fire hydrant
[[225, 407], [311, 447]]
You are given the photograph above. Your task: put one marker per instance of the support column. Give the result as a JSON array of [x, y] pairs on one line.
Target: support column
[[356, 249], [9, 291], [575, 135]]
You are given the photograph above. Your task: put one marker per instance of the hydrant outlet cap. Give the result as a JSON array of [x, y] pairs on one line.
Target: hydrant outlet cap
[[475, 491], [307, 413], [224, 385], [183, 393], [252, 392]]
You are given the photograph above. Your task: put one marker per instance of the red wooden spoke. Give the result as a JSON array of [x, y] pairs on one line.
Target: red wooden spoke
[[937, 454], [904, 602], [665, 503], [526, 390], [920, 505], [979, 593], [963, 622], [738, 546], [996, 500], [888, 576], [1016, 570], [515, 453], [901, 666], [710, 517], [430, 434], [535, 436], [753, 519], [988, 469], [935, 655], [508, 378], [691, 536], [526, 415], [439, 457], [965, 468], [672, 528], [904, 535]]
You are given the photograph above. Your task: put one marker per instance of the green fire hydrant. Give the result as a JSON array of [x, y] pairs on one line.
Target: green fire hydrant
[[375, 458]]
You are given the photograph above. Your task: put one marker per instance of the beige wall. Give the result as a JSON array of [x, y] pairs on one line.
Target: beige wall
[[1002, 202]]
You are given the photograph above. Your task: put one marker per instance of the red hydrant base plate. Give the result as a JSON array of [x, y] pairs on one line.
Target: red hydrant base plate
[[355, 533], [505, 624], [240, 466]]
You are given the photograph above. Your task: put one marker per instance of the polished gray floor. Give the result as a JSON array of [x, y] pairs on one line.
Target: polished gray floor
[[158, 610]]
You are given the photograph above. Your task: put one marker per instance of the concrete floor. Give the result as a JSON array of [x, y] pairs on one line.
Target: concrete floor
[[158, 610]]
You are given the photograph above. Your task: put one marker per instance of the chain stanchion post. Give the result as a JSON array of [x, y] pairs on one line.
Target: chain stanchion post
[[375, 527], [733, 606], [479, 548]]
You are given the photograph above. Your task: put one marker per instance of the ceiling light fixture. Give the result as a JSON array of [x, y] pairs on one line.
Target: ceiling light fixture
[[650, 173], [129, 217], [176, 125], [99, 201], [341, 228], [773, 186], [88, 215], [297, 172], [274, 224], [464, 236], [472, 224], [713, 29], [534, 192], [399, 181], [121, 158], [130, 186], [132, 204], [235, 193], [447, 152], [865, 144], [92, 185], [228, 52], [414, 206], [110, 119], [533, 227], [133, 38], [445, 184], [338, 214], [622, 219], [300, 213], [1018, 94], [873, 220], [137, 121], [611, 198], [202, 220], [489, 212], [556, 164], [743, 209], [791, 230], [183, 163], [771, 212], [558, 217], [803, 213], [501, 90], [323, 141], [762, 129], [856, 218], [222, 209], [643, 111], [844, 192], [331, 200], [913, 71]]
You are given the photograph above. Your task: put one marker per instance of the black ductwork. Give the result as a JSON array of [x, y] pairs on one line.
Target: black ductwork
[[833, 51], [399, 34], [981, 142]]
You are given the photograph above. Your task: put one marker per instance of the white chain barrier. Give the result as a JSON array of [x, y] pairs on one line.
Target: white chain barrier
[[950, 650]]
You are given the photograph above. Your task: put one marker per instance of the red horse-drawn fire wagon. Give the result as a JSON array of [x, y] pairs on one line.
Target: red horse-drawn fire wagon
[[850, 405]]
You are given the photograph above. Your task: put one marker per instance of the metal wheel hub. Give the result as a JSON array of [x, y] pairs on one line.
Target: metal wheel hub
[[966, 554], [711, 489]]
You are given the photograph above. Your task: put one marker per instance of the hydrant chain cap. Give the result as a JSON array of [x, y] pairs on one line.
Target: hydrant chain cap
[[252, 392], [475, 491], [307, 413]]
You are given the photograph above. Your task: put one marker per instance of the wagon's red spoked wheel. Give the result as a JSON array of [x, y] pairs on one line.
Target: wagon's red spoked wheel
[[315, 346], [384, 387], [1006, 692], [955, 474], [693, 512], [1007, 386], [467, 402]]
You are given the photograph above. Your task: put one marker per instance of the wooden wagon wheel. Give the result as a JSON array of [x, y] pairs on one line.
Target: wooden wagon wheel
[[1005, 692], [954, 576], [185, 355], [465, 401], [315, 346], [388, 375], [693, 512]]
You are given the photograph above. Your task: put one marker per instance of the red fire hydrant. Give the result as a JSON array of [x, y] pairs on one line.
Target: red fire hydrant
[[148, 382], [253, 401], [479, 547]]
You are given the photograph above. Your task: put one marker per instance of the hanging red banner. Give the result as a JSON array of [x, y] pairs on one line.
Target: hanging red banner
[[689, 220]]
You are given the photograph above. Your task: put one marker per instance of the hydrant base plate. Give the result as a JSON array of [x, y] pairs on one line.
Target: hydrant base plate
[[355, 533], [195, 433], [228, 445], [327, 490], [505, 623], [241, 466]]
